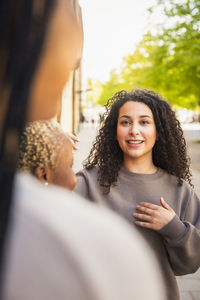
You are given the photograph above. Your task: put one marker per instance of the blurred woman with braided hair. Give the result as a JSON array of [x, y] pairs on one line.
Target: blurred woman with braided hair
[[138, 166], [46, 152]]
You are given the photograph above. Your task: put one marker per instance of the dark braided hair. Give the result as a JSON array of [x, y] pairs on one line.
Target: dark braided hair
[[23, 25], [169, 151]]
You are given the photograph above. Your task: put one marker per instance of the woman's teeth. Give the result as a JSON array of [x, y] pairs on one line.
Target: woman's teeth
[[134, 142]]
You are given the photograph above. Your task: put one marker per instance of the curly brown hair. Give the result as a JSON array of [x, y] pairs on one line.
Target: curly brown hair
[[169, 151]]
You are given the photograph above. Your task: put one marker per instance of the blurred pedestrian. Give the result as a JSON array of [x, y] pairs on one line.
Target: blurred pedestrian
[[93, 122], [82, 118], [138, 166], [101, 118]]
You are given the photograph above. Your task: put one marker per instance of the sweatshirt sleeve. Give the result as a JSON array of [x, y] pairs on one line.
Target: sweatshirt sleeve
[[182, 239], [82, 187]]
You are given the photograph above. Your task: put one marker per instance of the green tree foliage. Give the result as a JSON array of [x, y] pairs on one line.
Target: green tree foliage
[[183, 42], [110, 87], [168, 62], [94, 88]]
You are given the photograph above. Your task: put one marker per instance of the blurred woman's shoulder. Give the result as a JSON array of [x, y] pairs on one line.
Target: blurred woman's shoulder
[[88, 173]]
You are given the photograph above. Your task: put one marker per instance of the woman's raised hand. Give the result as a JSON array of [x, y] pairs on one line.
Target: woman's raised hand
[[73, 140], [154, 216]]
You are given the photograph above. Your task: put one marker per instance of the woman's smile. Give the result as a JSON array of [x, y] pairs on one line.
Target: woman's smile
[[134, 142]]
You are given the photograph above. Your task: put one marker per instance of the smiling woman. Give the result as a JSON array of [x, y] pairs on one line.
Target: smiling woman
[[144, 113], [138, 166]]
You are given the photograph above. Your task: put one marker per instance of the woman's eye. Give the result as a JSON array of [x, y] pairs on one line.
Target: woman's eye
[[144, 122], [125, 123]]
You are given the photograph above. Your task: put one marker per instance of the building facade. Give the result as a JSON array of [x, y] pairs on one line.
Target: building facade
[[70, 105]]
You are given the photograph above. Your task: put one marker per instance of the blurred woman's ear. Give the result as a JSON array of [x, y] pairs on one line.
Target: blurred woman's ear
[[40, 173], [44, 174]]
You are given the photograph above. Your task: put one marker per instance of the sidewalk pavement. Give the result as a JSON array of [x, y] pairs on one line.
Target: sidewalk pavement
[[86, 136], [189, 285]]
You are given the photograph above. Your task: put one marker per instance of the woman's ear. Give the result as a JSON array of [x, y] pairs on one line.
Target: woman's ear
[[40, 173], [44, 174]]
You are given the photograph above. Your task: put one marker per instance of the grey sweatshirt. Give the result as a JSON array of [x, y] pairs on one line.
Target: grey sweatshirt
[[177, 245]]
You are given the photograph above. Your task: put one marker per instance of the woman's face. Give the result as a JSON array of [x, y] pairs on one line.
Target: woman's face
[[61, 53], [136, 131]]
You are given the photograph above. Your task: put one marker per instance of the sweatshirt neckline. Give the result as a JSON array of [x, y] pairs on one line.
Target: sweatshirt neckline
[[129, 174]]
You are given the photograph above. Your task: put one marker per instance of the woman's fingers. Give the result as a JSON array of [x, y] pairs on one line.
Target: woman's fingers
[[164, 204], [149, 205], [144, 224], [73, 137], [142, 217], [145, 209], [73, 140]]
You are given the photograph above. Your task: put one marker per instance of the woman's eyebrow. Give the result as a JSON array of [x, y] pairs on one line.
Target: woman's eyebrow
[[142, 116], [145, 116], [125, 116]]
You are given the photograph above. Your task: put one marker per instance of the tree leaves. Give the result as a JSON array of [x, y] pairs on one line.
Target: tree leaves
[[168, 62]]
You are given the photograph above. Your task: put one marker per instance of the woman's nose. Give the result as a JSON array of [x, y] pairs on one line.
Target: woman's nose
[[134, 129]]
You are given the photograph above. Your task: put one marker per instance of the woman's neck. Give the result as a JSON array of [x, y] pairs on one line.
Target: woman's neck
[[139, 166]]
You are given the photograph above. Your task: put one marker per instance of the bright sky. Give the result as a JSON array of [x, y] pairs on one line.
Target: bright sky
[[111, 29]]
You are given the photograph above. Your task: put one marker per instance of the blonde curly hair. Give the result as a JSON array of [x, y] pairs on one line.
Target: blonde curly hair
[[40, 145]]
